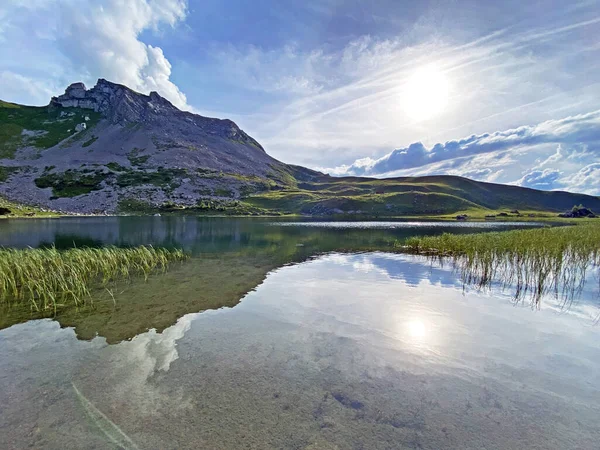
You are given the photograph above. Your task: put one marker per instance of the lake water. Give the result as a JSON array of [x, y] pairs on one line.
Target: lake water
[[335, 344]]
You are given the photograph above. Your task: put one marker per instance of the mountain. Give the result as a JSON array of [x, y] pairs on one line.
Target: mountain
[[111, 149], [99, 149]]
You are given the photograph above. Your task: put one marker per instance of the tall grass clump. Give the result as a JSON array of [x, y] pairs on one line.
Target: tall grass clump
[[48, 278], [535, 262]]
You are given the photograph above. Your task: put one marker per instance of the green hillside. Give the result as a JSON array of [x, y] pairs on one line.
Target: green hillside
[[40, 127], [407, 196]]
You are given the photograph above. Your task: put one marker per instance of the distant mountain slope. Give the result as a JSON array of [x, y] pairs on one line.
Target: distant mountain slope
[[111, 149], [431, 195]]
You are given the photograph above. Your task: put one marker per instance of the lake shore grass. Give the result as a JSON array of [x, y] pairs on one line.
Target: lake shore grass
[[47, 278], [548, 260]]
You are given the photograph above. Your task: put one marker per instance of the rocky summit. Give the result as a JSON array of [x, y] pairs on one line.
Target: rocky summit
[[106, 148]]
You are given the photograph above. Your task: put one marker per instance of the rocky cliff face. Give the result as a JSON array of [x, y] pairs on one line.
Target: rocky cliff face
[[115, 101], [123, 106], [112, 146]]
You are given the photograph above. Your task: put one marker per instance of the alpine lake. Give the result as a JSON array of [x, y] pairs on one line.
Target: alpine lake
[[295, 334]]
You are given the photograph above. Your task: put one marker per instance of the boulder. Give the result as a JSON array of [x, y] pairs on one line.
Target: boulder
[[578, 212]]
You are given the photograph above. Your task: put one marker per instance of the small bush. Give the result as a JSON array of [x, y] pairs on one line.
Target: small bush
[[90, 141]]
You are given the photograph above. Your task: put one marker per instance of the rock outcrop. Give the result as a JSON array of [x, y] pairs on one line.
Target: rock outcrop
[[578, 212]]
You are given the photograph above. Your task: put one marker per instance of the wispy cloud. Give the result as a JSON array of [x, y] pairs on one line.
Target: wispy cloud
[[339, 105]]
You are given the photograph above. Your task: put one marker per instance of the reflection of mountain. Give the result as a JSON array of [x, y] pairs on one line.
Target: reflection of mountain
[[202, 234], [231, 258]]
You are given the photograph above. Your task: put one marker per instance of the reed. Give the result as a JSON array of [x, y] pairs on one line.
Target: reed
[[534, 262], [48, 278]]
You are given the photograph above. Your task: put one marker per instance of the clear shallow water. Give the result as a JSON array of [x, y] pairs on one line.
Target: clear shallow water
[[358, 351]]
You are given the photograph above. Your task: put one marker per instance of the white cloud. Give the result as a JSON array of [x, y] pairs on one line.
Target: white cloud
[[540, 179], [586, 180], [95, 39], [14, 84], [583, 128]]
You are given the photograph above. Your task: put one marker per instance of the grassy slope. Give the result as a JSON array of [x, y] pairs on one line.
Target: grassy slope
[[51, 128], [19, 210], [412, 196]]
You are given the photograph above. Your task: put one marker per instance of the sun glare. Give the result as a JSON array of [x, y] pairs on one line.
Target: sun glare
[[416, 329], [426, 93]]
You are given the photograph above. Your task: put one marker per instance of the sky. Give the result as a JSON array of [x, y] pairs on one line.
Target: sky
[[505, 92]]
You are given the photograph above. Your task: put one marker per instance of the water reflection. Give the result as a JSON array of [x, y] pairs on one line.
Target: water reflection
[[232, 256], [202, 234], [343, 351]]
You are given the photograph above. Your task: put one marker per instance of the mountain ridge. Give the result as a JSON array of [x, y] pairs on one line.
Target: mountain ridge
[[109, 149]]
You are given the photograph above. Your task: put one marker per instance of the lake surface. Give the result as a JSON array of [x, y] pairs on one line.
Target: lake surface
[[332, 346]]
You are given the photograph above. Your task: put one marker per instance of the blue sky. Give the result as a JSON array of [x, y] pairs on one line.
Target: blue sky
[[496, 91]]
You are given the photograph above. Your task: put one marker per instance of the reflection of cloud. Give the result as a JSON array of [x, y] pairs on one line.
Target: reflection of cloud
[[412, 270], [417, 271], [147, 354]]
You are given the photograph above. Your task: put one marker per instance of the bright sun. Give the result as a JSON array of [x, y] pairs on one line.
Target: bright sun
[[416, 329], [426, 93]]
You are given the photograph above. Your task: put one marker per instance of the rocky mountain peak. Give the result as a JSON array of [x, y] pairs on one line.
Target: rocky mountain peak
[[118, 103], [122, 106]]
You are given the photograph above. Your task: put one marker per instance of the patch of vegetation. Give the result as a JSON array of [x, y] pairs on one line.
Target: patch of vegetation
[[135, 159], [49, 278], [284, 175], [537, 261], [90, 141], [138, 161], [223, 192], [116, 167], [6, 172], [136, 206], [40, 127], [208, 173], [164, 178], [71, 183]]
